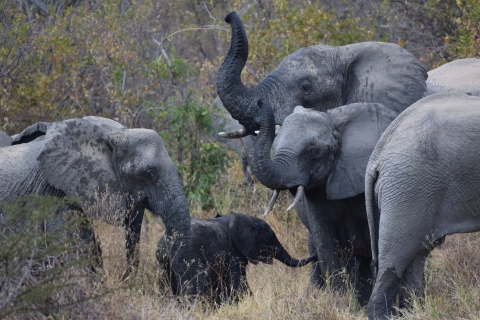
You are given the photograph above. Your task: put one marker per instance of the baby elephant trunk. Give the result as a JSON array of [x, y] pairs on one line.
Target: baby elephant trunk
[[283, 256]]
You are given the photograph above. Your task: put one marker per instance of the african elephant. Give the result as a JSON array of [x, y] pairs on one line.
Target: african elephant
[[320, 77], [321, 158], [223, 246], [105, 166], [421, 184], [5, 140], [462, 76]]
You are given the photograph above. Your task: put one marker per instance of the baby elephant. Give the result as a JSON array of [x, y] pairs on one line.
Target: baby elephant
[[222, 247]]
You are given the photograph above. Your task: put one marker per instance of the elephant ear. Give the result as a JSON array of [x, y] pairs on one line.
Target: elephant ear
[[382, 73], [77, 157], [31, 133], [360, 126], [244, 236]]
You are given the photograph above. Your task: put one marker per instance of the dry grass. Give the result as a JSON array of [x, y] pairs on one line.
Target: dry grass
[[279, 292]]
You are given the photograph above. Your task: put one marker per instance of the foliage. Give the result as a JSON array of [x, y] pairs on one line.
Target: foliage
[[38, 266], [465, 42], [199, 161]]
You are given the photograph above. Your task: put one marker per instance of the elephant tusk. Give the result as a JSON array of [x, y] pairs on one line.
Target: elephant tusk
[[277, 128], [272, 202], [298, 196], [240, 133]]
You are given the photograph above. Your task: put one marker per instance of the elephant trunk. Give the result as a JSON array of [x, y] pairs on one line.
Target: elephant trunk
[[235, 97], [284, 171], [176, 216], [284, 257]]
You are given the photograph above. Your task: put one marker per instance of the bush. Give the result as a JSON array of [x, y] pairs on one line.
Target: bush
[[40, 269]]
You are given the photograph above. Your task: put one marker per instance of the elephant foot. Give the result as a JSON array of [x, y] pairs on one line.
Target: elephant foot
[[381, 304]]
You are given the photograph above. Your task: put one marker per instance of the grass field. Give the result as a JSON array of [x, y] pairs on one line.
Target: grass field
[[279, 292]]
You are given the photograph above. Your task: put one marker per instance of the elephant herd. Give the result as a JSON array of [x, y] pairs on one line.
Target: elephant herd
[[380, 158]]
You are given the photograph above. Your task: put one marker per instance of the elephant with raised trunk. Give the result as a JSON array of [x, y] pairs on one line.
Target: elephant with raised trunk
[[421, 184], [104, 165], [321, 158], [223, 246], [320, 77]]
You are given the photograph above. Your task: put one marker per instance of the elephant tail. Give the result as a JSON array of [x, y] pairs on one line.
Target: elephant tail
[[370, 178]]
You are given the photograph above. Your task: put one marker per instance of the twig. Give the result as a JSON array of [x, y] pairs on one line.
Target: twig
[[160, 44], [214, 19]]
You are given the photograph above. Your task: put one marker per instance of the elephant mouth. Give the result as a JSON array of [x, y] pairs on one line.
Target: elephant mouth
[[298, 191]]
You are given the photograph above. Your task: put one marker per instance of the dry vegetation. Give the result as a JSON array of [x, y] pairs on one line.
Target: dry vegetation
[[279, 292], [99, 58]]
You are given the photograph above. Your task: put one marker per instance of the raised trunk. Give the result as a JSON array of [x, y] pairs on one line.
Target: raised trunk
[[235, 97], [283, 256]]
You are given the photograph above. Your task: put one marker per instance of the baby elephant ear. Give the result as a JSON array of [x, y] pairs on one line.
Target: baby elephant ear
[[77, 157], [360, 126], [243, 232]]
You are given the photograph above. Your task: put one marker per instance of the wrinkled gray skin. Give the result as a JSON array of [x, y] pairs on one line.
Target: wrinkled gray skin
[[327, 153], [421, 184], [225, 122], [224, 246], [462, 76], [5, 140], [109, 168], [320, 77]]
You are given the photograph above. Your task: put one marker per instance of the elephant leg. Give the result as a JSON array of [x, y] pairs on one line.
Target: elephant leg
[[316, 278], [324, 240], [363, 279], [133, 226], [92, 244], [237, 281], [384, 295], [414, 280]]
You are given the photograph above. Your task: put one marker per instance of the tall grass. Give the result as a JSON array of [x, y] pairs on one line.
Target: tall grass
[[279, 292]]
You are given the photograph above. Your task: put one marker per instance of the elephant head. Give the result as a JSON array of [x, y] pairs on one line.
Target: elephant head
[[320, 77], [256, 240], [107, 166], [313, 148]]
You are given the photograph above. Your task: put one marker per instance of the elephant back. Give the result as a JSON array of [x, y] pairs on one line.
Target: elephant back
[[461, 76]]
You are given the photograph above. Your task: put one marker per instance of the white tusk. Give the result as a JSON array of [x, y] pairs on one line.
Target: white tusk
[[240, 133], [298, 196], [277, 128], [272, 202]]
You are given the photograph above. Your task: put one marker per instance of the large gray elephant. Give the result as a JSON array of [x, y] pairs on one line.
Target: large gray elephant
[[321, 158], [421, 184], [461, 75], [224, 246], [5, 140], [320, 77], [107, 167]]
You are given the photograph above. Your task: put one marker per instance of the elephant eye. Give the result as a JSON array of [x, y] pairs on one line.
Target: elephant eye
[[306, 87], [148, 174], [313, 151]]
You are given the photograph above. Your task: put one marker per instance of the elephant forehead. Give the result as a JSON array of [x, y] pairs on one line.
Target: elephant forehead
[[315, 59], [146, 141]]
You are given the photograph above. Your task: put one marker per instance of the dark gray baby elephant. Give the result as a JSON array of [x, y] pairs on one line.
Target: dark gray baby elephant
[[222, 247]]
